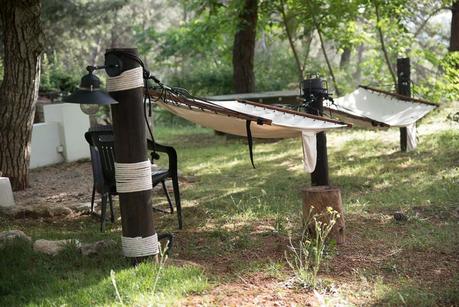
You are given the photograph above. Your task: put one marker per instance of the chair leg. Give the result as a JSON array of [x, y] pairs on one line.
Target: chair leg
[[169, 201], [112, 213], [93, 197], [175, 185], [103, 211]]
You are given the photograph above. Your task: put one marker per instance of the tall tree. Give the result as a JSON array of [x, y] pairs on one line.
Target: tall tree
[[454, 40], [244, 48], [22, 39]]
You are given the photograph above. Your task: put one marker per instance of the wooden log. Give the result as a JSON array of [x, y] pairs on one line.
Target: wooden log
[[319, 198], [131, 147]]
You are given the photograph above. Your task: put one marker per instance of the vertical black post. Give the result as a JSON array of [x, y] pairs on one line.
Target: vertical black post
[[314, 94], [403, 88], [131, 147]]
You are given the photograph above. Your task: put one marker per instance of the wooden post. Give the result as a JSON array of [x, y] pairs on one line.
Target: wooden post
[[403, 88], [313, 89], [316, 200], [131, 147]]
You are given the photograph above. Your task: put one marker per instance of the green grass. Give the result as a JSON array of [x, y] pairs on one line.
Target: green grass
[[29, 278], [237, 219]]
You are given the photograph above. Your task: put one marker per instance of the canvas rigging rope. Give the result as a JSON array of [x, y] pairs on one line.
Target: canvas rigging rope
[[128, 79], [140, 247], [133, 177]]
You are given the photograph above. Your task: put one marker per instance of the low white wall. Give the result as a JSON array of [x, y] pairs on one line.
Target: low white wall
[[45, 145], [64, 128], [74, 123]]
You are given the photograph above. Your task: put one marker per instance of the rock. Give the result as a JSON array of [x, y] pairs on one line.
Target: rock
[[96, 247], [400, 217], [182, 263], [59, 211], [7, 236], [40, 211], [52, 247], [80, 207]]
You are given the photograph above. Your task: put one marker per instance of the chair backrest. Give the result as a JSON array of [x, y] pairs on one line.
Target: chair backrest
[[101, 139]]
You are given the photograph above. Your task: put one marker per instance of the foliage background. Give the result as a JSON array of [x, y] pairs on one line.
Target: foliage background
[[188, 43]]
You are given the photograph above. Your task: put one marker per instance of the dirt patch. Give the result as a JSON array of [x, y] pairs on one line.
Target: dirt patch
[[253, 290], [60, 184]]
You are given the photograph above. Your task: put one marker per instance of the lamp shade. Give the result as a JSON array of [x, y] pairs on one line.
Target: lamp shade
[[89, 92]]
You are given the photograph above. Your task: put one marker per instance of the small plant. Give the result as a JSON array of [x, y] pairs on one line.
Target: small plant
[[306, 258], [161, 260]]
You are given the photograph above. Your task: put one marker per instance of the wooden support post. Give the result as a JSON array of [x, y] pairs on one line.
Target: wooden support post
[[403, 88], [316, 200], [131, 147]]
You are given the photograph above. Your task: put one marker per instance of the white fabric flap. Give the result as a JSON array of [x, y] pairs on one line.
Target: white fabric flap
[[379, 107], [309, 151], [411, 137]]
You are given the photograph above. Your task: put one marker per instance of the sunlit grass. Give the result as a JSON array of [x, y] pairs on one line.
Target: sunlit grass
[[233, 209]]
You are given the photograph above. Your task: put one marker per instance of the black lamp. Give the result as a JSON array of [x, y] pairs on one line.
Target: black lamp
[[89, 94]]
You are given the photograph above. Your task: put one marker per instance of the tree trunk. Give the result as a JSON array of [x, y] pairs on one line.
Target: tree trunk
[[345, 58], [22, 39], [454, 39], [244, 48], [316, 200]]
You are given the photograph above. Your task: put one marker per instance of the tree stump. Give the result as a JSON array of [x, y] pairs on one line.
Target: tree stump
[[320, 198]]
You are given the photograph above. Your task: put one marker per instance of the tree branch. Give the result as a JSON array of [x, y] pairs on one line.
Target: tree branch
[[424, 23], [322, 44], [290, 40], [383, 46]]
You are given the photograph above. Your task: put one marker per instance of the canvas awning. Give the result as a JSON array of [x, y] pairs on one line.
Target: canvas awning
[[380, 107], [364, 107], [232, 117]]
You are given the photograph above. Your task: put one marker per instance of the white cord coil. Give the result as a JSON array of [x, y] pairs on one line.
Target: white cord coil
[[140, 247], [129, 79], [133, 177]]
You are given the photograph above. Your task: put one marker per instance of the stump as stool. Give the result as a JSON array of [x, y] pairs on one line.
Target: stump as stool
[[321, 197], [6, 193]]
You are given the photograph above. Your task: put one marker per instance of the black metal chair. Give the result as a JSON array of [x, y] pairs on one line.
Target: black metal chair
[[101, 145]]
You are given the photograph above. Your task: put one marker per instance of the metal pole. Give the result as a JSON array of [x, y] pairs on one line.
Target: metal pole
[[131, 147], [403, 88]]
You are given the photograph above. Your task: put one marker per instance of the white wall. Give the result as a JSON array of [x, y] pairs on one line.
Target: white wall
[[64, 127], [45, 143]]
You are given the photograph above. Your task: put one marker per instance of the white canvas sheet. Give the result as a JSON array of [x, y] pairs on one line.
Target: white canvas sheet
[[284, 125], [380, 107], [230, 125]]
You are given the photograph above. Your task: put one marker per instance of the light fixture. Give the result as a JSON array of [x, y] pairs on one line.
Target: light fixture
[[89, 94]]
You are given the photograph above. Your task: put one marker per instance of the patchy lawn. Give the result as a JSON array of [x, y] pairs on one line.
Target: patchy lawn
[[237, 220]]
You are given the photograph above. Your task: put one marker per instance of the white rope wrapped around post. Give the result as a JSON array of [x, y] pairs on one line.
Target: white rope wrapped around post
[[129, 79], [140, 247], [133, 177]]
